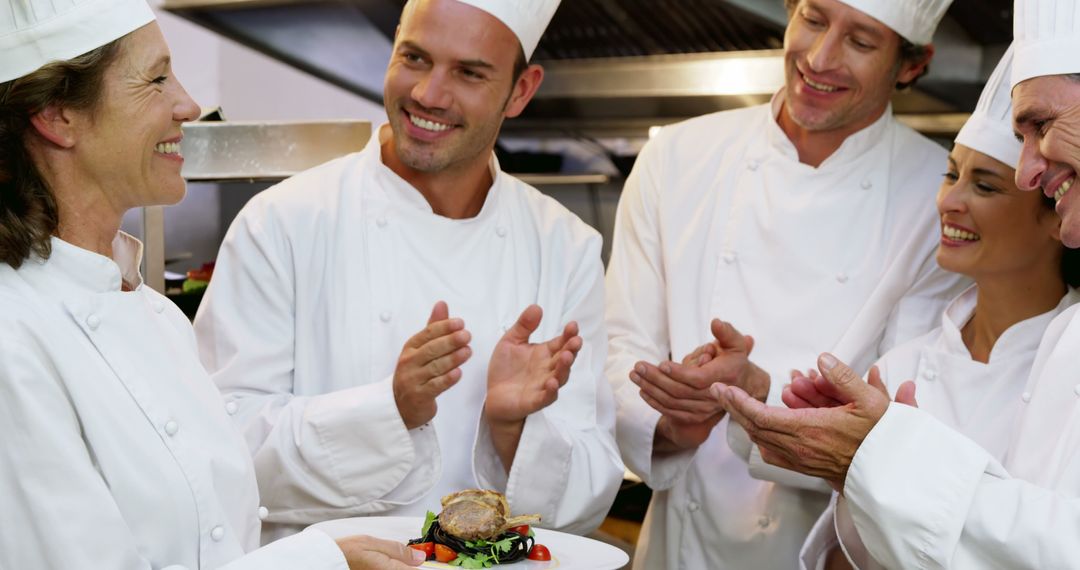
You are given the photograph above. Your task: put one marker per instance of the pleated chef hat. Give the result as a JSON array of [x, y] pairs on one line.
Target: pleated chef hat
[[989, 130], [526, 18], [1046, 35], [36, 32], [914, 20]]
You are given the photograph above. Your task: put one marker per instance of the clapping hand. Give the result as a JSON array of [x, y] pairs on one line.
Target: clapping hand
[[429, 364]]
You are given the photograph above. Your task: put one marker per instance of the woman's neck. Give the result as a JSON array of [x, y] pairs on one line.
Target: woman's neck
[[1003, 302]]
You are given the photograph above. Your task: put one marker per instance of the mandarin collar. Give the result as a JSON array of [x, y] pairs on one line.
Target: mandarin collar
[[73, 270], [1022, 337], [406, 194], [854, 146]]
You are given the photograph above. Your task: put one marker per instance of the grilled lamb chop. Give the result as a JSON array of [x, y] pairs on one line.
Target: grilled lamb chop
[[476, 514]]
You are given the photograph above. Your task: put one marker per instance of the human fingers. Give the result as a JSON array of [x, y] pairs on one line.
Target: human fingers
[[527, 323], [849, 387], [564, 361], [660, 377], [905, 394], [874, 379], [700, 355], [439, 347], [792, 400], [434, 330], [441, 383], [691, 405], [368, 553], [680, 416], [444, 364], [728, 337], [754, 416], [805, 389], [570, 331], [440, 312]]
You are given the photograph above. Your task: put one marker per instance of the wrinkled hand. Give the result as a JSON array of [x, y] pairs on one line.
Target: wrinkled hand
[[368, 553], [814, 391], [524, 378], [819, 442], [429, 364]]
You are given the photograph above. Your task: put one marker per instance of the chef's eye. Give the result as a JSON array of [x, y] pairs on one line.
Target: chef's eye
[[160, 80], [984, 188], [952, 176]]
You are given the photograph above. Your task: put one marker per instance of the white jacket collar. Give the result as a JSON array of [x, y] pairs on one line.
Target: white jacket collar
[[852, 148], [72, 269]]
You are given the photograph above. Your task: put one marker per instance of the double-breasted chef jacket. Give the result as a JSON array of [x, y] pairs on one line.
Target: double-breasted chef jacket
[[979, 400], [117, 451], [922, 495], [720, 219], [319, 283]]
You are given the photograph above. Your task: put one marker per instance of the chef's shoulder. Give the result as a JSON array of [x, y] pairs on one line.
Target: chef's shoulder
[[25, 315], [306, 198], [551, 222], [692, 140], [916, 156]]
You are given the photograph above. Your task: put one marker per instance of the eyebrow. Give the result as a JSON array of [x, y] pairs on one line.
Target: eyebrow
[[859, 27], [986, 172], [475, 63]]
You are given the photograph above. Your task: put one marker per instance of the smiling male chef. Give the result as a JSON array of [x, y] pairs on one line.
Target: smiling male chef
[[370, 320], [817, 208], [920, 494]]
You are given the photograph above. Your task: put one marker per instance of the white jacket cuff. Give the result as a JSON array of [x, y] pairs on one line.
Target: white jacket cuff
[[311, 549]]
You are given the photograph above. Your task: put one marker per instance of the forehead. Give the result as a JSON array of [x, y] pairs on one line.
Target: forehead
[[1038, 96], [838, 12], [143, 49], [454, 30]]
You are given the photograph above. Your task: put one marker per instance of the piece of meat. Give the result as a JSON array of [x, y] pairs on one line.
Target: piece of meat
[[478, 514]]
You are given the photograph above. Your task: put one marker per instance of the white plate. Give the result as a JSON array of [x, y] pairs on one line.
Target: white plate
[[568, 551]]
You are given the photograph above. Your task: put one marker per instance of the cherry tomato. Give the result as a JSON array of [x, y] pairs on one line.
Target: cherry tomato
[[539, 552], [444, 553], [425, 547], [523, 530]]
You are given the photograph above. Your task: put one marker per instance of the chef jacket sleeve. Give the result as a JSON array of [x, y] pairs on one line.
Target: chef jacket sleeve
[[919, 309], [567, 467], [61, 512], [924, 496], [316, 457], [637, 321]]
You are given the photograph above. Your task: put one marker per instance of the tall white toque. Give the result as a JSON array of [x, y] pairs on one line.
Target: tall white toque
[[36, 32], [526, 18], [1046, 35], [990, 130], [915, 20]]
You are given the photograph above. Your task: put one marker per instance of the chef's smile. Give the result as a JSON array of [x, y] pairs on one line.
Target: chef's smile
[[819, 86], [170, 149], [427, 128], [1057, 191], [954, 236]]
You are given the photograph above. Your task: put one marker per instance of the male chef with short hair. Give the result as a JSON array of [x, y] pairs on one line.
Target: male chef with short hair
[[410, 321], [808, 222]]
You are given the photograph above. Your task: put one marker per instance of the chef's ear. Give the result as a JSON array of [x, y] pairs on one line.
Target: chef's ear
[[524, 88], [56, 124]]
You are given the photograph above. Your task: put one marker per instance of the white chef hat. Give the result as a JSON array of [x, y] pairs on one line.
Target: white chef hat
[[526, 18], [989, 130], [36, 32], [1046, 34], [914, 20]]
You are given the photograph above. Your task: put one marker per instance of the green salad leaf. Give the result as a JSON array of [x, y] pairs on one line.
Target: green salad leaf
[[428, 521]]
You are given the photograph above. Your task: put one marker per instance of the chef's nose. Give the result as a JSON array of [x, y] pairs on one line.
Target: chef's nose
[[825, 52], [432, 91], [1032, 167]]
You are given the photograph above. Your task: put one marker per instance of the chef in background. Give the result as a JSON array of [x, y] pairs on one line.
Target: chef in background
[[116, 450], [920, 494], [815, 208], [971, 372], [409, 321]]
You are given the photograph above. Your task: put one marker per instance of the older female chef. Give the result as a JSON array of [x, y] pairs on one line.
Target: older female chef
[[970, 372], [116, 449]]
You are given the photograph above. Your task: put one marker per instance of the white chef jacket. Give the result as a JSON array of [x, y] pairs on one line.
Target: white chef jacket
[[720, 219], [319, 283], [922, 495], [979, 400], [116, 451]]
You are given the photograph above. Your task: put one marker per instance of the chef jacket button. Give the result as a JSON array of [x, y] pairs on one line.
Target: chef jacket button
[[385, 316], [1026, 397], [930, 374], [866, 185], [763, 521], [217, 533], [1077, 390], [231, 408], [380, 221], [500, 231], [753, 165], [171, 427], [729, 257], [93, 321], [693, 507], [263, 513], [159, 307], [842, 277]]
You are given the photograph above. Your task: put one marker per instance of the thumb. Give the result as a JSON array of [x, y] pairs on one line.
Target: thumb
[[728, 337], [905, 394], [527, 323], [440, 312], [849, 388]]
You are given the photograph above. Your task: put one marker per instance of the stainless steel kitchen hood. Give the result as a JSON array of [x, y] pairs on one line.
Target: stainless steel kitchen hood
[[615, 67]]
